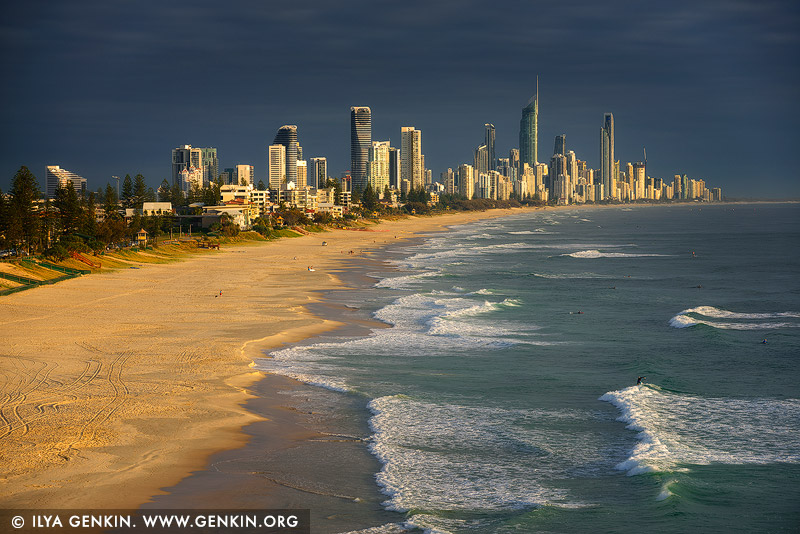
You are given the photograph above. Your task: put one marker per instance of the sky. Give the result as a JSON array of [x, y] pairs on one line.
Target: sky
[[101, 88]]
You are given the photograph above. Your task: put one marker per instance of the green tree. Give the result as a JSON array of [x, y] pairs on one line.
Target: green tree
[[89, 216], [261, 185], [110, 200], [23, 211], [127, 192], [387, 194], [355, 195], [163, 191], [369, 199], [69, 208], [176, 196], [139, 192]]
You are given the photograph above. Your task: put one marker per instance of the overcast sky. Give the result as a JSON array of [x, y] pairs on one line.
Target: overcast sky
[[107, 88]]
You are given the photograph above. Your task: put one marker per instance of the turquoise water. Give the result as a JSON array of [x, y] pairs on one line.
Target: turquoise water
[[497, 407]]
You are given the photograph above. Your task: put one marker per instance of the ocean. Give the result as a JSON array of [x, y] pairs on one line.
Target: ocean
[[503, 398]]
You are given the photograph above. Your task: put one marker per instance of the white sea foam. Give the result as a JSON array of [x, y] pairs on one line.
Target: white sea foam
[[593, 254], [403, 282], [678, 430], [736, 320], [425, 325], [421, 444]]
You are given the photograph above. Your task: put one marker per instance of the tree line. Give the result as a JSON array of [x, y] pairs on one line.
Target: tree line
[[69, 221]]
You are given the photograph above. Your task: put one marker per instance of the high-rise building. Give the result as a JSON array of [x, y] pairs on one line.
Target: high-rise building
[[411, 156], [228, 176], [448, 179], [302, 174], [318, 173], [607, 176], [277, 166], [489, 142], [185, 157], [58, 177], [287, 136], [360, 144], [529, 131], [243, 175], [394, 167], [481, 159], [560, 145], [209, 164], [466, 180], [639, 180], [378, 175]]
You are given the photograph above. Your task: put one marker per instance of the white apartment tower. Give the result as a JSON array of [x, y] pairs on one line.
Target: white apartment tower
[[411, 156], [378, 168], [277, 166]]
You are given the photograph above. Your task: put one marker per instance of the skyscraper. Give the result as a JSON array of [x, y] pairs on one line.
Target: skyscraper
[[378, 175], [302, 174], [360, 143], [318, 173], [490, 135], [481, 159], [287, 136], [209, 164], [394, 167], [529, 131], [607, 156], [411, 156], [58, 177], [277, 166], [560, 145]]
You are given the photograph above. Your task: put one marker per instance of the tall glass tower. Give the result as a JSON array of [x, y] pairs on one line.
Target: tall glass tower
[[287, 136], [490, 135], [607, 156], [360, 143], [529, 131], [560, 147]]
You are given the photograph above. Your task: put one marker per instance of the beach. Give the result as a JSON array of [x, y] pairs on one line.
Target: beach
[[135, 378]]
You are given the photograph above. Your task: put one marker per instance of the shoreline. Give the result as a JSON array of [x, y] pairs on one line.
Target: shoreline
[[158, 384], [138, 377]]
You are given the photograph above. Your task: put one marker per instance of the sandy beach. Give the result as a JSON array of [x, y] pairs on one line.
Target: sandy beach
[[137, 377]]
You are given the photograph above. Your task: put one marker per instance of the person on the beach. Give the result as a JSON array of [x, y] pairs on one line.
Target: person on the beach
[[639, 380]]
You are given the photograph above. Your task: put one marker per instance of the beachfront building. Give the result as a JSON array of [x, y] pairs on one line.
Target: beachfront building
[[378, 175], [302, 173], [189, 179], [185, 157], [529, 131], [157, 208], [318, 172], [57, 177], [608, 172], [360, 144], [489, 138], [466, 180], [287, 136], [277, 166], [411, 163], [243, 175]]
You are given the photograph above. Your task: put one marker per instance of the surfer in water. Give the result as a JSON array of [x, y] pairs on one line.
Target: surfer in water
[[639, 380]]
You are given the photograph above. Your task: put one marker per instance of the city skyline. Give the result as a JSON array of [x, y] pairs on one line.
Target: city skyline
[[679, 79]]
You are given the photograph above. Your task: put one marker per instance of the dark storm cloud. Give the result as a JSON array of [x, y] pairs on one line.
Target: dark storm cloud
[[110, 87]]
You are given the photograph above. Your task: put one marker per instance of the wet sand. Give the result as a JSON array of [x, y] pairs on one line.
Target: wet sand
[[135, 378]]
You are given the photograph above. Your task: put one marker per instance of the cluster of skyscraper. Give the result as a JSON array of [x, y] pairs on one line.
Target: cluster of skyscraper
[[565, 179]]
